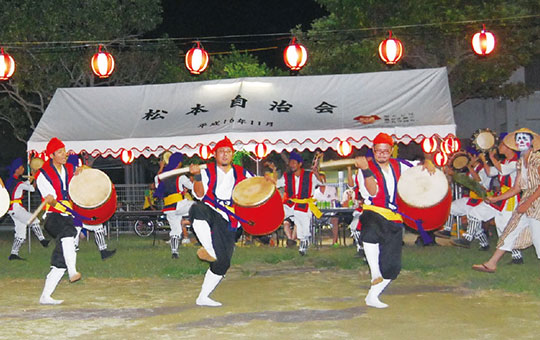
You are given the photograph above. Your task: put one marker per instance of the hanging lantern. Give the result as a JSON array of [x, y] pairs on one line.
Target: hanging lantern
[[483, 42], [390, 50], [450, 145], [127, 156], [44, 156], [197, 59], [205, 152], [261, 150], [344, 148], [7, 65], [440, 158], [456, 145], [295, 55], [102, 63], [429, 145]]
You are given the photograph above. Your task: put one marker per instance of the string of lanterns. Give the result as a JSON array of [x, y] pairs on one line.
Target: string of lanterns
[[295, 55], [448, 146]]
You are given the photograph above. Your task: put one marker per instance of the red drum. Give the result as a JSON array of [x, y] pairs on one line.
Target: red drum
[[93, 195], [4, 201], [257, 200], [424, 197]]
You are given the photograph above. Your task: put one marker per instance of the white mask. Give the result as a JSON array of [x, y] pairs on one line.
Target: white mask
[[523, 141]]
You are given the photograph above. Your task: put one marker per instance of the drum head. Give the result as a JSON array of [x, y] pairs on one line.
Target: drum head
[[253, 192], [460, 161], [484, 140], [90, 189], [418, 188], [4, 201]]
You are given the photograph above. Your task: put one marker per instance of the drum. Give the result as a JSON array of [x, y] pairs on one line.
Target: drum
[[460, 161], [423, 196], [484, 140], [257, 200], [4, 201], [93, 195]]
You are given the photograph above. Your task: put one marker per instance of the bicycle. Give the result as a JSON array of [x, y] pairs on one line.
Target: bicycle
[[147, 226]]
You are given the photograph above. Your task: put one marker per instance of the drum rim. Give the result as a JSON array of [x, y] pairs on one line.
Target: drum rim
[[256, 204], [6, 203], [459, 154], [448, 191], [93, 206]]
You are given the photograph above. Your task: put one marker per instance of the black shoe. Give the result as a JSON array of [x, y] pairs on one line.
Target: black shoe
[[174, 256], [484, 248], [302, 252], [517, 261], [107, 253], [443, 234], [44, 243], [460, 242], [14, 257]]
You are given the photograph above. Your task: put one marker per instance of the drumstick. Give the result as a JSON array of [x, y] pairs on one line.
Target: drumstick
[[36, 212], [175, 172]]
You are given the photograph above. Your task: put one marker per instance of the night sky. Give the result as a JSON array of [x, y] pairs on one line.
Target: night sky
[[198, 19]]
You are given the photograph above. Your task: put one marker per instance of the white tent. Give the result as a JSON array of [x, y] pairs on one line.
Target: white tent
[[302, 112]]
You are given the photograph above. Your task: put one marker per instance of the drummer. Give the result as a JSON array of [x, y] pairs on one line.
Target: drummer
[[53, 181], [382, 228], [211, 218], [20, 216], [299, 187], [175, 204], [98, 229], [501, 212], [476, 170]]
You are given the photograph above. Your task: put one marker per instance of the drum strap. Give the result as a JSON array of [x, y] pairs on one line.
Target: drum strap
[[174, 198], [226, 210], [311, 204]]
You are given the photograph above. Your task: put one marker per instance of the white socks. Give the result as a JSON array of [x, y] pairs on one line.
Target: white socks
[[378, 284], [372, 298], [52, 280], [70, 257], [202, 229], [210, 282]]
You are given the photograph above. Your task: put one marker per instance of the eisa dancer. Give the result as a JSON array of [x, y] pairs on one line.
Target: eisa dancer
[[215, 229], [382, 227], [20, 216], [53, 182]]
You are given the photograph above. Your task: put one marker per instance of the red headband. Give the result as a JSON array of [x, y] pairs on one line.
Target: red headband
[[225, 142], [53, 145], [383, 138]]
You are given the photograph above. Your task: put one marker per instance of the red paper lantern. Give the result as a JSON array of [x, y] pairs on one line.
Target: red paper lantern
[[7, 65], [261, 150], [295, 55], [197, 59], [127, 156], [102, 63], [456, 145], [429, 145], [440, 158], [205, 152], [390, 50], [344, 148], [483, 42], [450, 145]]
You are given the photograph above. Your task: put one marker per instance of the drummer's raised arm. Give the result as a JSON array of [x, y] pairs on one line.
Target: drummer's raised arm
[[370, 182], [198, 186]]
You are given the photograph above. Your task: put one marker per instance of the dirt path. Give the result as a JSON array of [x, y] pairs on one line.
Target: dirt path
[[267, 303]]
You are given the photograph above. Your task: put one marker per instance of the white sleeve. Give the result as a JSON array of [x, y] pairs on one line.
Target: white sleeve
[[183, 181], [28, 187], [361, 185], [508, 168], [280, 183], [45, 187]]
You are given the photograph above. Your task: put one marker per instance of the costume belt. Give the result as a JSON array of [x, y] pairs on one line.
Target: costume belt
[[61, 207], [473, 195], [511, 202], [311, 204], [173, 198], [384, 212], [15, 201]]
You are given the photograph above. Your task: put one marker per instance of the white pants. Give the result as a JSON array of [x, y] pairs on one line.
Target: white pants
[[20, 217], [485, 212], [524, 222], [302, 220], [175, 216], [460, 207]]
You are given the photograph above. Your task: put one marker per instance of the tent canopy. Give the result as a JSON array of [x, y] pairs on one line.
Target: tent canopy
[[286, 113]]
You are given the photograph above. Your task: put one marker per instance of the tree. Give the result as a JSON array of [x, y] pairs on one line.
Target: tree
[[41, 36], [434, 33]]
